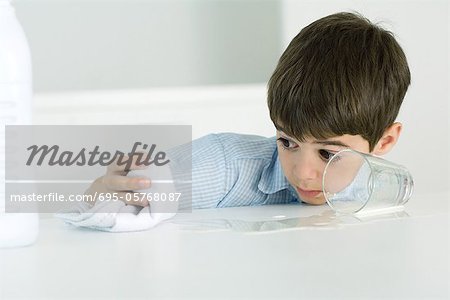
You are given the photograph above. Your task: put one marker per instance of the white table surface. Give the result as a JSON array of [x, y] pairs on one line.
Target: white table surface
[[274, 252]]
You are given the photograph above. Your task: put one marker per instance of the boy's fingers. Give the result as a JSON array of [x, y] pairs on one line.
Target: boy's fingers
[[123, 183], [115, 168]]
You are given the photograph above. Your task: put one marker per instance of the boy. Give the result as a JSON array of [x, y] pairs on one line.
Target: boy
[[339, 84]]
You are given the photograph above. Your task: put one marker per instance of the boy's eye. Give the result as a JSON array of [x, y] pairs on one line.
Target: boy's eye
[[325, 155], [287, 144]]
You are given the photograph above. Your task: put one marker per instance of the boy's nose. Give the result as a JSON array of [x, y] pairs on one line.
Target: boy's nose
[[307, 170]]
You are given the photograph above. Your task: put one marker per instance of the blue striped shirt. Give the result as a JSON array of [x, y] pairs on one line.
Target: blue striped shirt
[[230, 169]]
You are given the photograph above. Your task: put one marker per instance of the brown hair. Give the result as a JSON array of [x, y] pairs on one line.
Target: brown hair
[[340, 75]]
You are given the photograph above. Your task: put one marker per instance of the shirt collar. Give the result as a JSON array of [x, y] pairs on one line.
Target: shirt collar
[[272, 178]]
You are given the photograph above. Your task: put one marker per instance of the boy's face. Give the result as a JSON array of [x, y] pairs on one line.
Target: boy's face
[[303, 163]]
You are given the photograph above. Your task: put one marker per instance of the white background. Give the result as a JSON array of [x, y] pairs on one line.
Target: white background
[[123, 44]]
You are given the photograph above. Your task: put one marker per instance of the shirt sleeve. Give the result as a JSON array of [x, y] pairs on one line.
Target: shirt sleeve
[[208, 172], [202, 162]]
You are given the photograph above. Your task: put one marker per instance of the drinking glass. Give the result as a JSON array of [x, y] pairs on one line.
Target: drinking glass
[[359, 183]]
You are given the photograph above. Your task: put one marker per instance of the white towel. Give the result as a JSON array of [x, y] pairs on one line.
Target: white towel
[[116, 216], [112, 216]]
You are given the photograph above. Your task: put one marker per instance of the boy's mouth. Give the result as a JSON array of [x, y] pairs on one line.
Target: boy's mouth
[[307, 193]]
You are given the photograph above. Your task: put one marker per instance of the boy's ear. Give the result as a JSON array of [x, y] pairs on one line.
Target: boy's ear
[[388, 140]]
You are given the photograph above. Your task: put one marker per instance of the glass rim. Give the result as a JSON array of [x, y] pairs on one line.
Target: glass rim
[[370, 181]]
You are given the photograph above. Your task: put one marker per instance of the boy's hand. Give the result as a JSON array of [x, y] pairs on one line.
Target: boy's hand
[[116, 185]]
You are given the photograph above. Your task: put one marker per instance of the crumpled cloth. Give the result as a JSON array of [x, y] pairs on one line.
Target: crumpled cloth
[[115, 215], [112, 216]]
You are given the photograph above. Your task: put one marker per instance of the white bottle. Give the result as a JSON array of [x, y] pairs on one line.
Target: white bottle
[[16, 229]]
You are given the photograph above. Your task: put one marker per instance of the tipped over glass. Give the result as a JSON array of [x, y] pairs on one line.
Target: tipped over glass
[[359, 183]]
